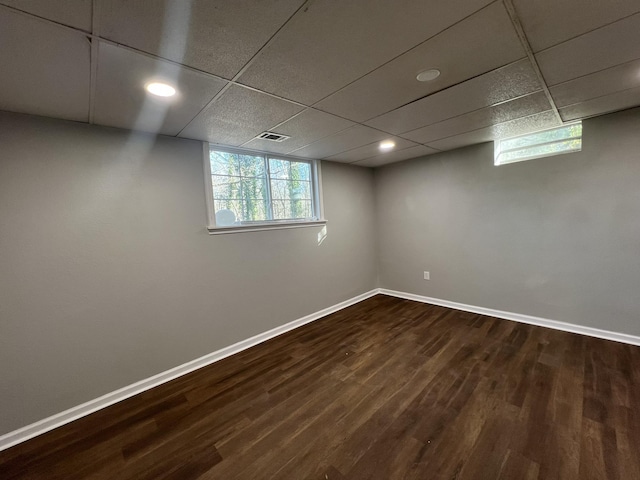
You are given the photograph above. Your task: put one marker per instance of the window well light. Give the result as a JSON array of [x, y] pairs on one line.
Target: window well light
[[428, 75], [387, 145], [160, 89]]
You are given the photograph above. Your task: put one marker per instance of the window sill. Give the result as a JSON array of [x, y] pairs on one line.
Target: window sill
[[264, 226]]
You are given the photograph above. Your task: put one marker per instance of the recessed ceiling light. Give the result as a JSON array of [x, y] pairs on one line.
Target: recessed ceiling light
[[160, 89], [428, 75], [387, 145]]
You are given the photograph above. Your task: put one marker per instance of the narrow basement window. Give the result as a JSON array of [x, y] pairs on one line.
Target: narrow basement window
[[545, 143], [249, 191]]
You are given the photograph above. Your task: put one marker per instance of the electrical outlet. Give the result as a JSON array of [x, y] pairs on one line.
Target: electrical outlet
[[427, 276]]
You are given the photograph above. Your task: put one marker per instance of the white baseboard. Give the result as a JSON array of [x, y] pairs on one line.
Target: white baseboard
[[518, 317], [25, 433]]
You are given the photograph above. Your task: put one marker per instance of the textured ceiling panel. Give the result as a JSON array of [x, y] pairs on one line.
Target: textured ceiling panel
[[45, 68], [218, 37], [484, 117], [507, 82], [121, 100], [611, 80], [371, 150], [239, 115], [333, 42], [75, 13], [396, 156], [519, 126], [460, 52], [606, 47], [348, 139], [357, 60], [305, 128], [549, 22], [606, 104]]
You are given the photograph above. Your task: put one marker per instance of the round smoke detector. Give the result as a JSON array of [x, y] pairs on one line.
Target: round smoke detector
[[428, 75]]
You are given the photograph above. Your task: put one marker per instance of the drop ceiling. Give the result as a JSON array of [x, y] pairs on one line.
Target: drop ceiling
[[337, 77]]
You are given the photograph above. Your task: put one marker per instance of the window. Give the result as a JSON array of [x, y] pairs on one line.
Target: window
[[565, 139], [251, 191]]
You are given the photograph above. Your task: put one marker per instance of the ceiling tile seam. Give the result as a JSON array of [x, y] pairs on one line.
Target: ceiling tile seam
[[93, 36], [593, 73], [68, 28], [366, 145], [519, 97], [325, 137], [587, 32], [381, 155], [345, 129], [403, 53], [227, 86], [197, 71], [446, 88], [93, 62], [206, 106], [269, 41], [97, 38], [637, 87], [200, 72], [483, 128], [159, 58], [517, 25]]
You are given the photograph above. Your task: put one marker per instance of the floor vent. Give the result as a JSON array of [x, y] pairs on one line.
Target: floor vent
[[273, 137]]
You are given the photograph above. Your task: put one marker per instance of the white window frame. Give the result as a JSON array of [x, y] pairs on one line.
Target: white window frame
[[316, 182], [498, 146]]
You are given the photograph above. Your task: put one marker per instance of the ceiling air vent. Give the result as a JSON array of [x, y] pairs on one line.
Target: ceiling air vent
[[273, 137]]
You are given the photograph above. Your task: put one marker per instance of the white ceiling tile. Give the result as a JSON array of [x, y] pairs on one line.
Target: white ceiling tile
[[304, 128], [606, 47], [74, 13], [463, 51], [606, 104], [45, 68], [333, 42], [519, 126], [218, 37], [371, 150], [348, 139], [396, 156], [549, 22], [121, 100], [239, 115], [499, 85], [484, 117], [604, 82]]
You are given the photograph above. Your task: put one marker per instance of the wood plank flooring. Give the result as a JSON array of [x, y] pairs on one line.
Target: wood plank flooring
[[385, 389]]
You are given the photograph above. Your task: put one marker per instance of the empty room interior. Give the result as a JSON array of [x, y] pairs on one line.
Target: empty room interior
[[322, 239]]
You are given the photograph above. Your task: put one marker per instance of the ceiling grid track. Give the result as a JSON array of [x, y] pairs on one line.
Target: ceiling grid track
[[539, 46], [96, 39], [95, 47], [401, 54], [234, 80], [515, 20]]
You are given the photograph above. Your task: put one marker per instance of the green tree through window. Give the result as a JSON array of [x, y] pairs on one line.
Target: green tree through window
[[257, 188]]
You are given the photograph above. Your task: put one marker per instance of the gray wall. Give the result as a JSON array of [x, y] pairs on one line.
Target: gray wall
[[557, 237], [108, 276]]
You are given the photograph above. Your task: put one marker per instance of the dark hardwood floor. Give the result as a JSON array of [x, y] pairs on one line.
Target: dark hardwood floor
[[385, 389]]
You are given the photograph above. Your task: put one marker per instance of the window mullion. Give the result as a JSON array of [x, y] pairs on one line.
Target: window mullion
[[268, 186]]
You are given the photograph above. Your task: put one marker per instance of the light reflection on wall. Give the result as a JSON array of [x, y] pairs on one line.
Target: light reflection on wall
[[322, 234]]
